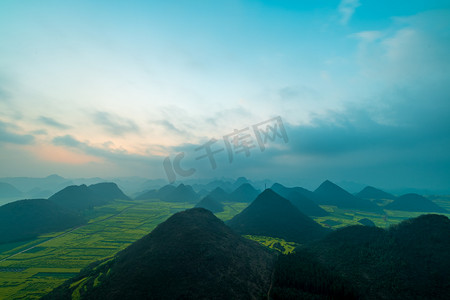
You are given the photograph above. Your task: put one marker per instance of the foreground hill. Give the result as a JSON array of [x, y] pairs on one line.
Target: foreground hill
[[274, 216], [210, 204], [329, 193], [79, 197], [192, 255], [408, 261], [301, 275], [302, 202], [26, 219], [415, 202]]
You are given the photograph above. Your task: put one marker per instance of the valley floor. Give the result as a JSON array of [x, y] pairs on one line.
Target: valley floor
[[30, 269]]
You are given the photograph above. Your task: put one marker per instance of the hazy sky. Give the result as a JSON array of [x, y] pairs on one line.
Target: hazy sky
[[111, 88]]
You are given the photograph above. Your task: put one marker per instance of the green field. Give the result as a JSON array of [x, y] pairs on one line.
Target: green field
[[342, 217], [274, 243], [230, 210], [30, 269]]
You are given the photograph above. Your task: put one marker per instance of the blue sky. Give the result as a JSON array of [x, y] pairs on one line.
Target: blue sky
[[111, 88]]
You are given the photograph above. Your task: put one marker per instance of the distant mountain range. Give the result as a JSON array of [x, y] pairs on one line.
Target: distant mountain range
[[185, 193], [35, 187], [9, 191], [369, 199], [192, 255]]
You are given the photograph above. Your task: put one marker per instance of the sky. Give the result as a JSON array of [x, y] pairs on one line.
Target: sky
[[360, 90]]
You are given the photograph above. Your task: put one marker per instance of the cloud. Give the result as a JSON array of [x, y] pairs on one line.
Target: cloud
[[52, 122], [413, 51], [404, 73], [8, 136], [350, 144], [40, 132], [353, 130], [170, 127], [368, 36], [346, 9], [114, 155], [118, 161], [114, 124], [4, 95], [68, 141], [231, 117]]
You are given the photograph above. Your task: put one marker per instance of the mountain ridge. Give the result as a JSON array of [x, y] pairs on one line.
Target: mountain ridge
[[272, 215], [192, 255]]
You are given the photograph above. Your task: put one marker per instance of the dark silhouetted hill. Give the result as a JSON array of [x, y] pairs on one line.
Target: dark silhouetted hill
[[182, 193], [307, 193], [329, 193], [408, 261], [225, 185], [9, 191], [76, 197], [301, 275], [370, 192], [201, 193], [156, 194], [302, 202], [272, 215], [210, 204], [26, 219], [192, 255], [151, 194], [244, 193], [240, 181], [415, 202], [166, 190], [108, 191], [219, 194], [80, 197]]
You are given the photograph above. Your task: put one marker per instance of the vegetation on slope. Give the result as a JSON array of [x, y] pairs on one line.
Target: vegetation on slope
[[192, 255]]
